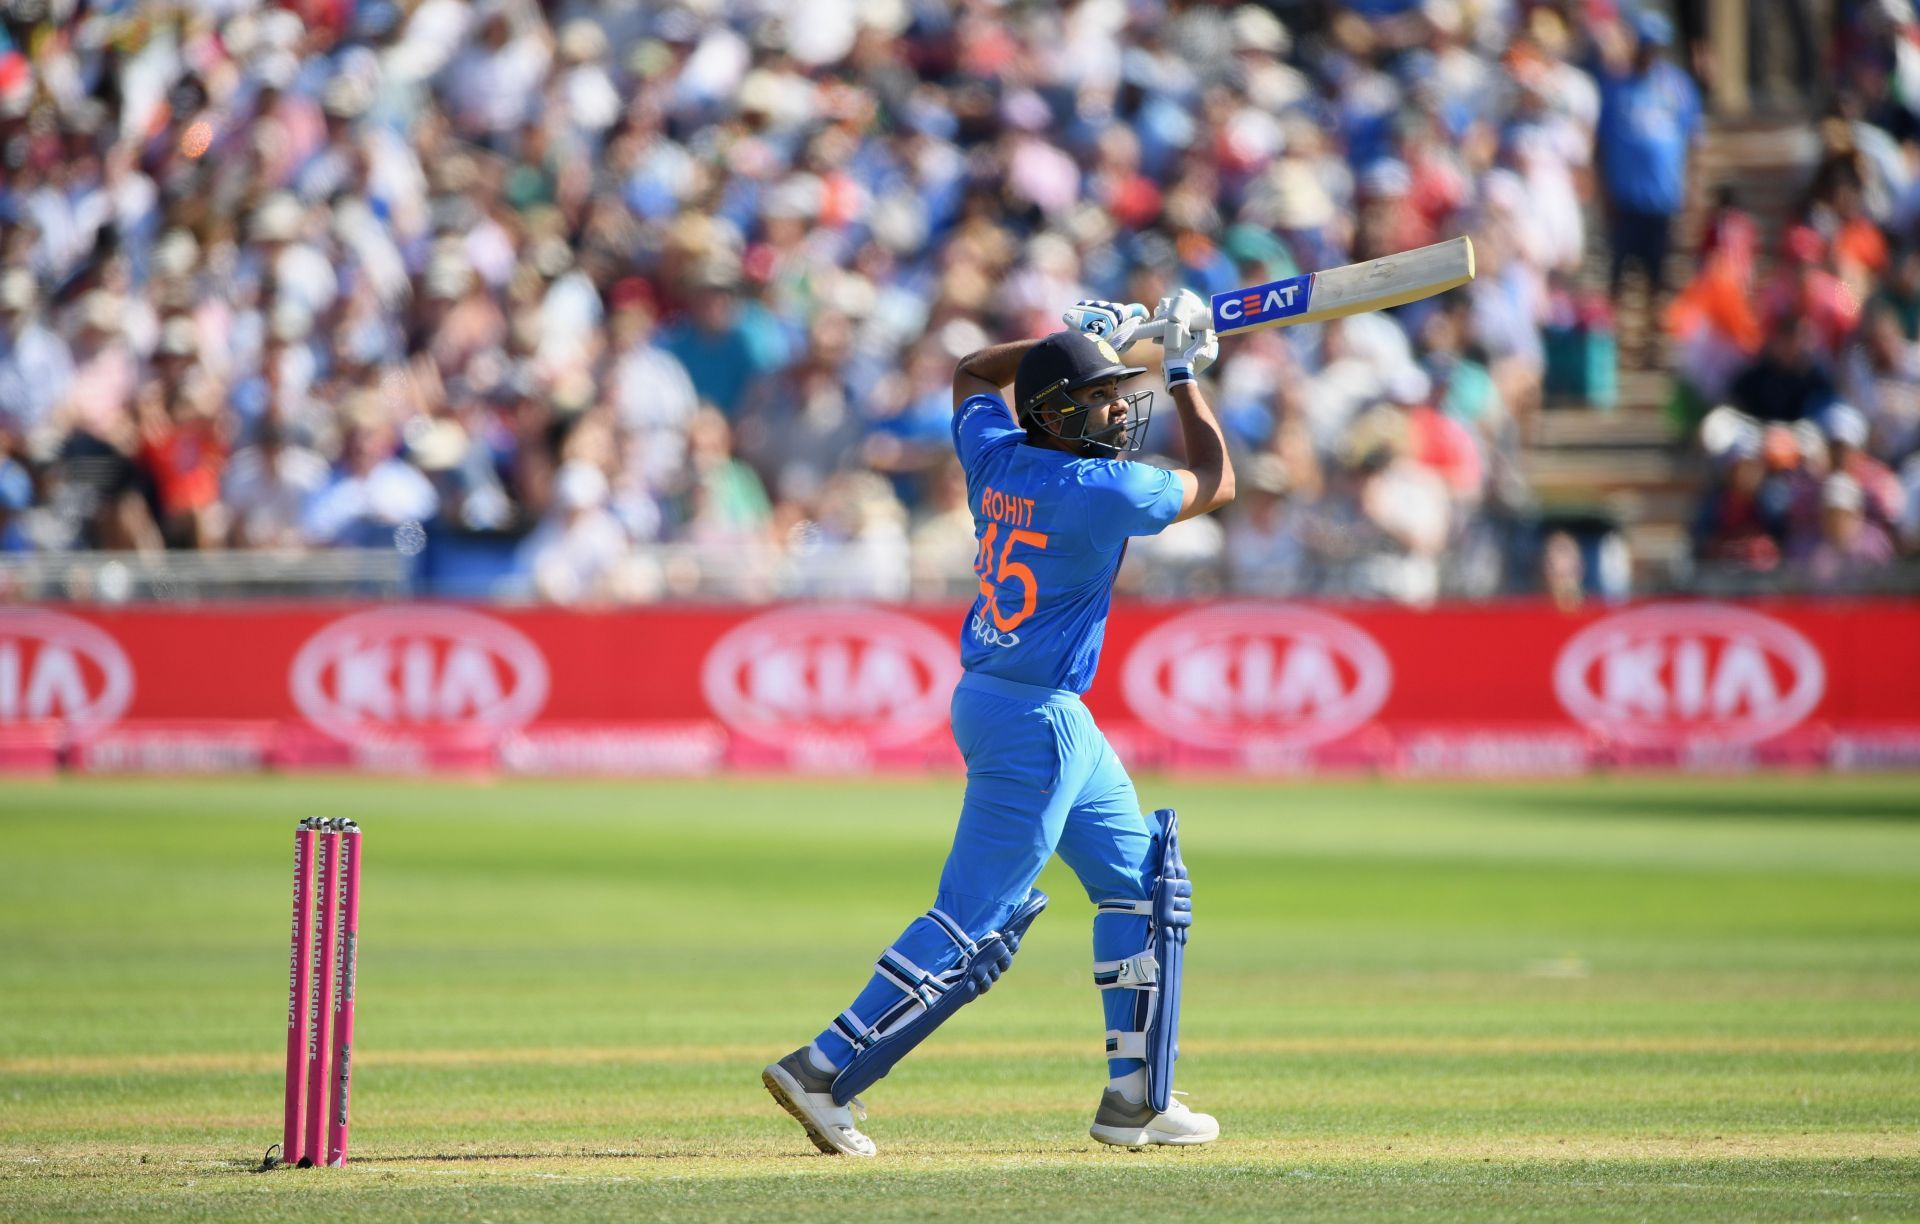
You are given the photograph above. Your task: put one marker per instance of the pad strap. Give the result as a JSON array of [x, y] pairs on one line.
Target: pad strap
[[1126, 1045], [1125, 905], [1137, 972], [909, 977], [850, 1026], [953, 931], [918, 988]]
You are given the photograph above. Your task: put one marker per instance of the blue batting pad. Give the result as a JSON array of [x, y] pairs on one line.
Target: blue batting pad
[[1172, 916], [936, 997]]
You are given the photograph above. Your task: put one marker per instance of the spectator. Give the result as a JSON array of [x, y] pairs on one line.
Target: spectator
[[495, 83], [942, 537], [183, 451], [267, 487], [1403, 509], [373, 492], [99, 400], [860, 530], [577, 552], [1900, 291], [725, 345], [1563, 572], [1882, 379], [1729, 234], [1265, 549], [1736, 525], [1786, 381], [800, 430], [1649, 118], [36, 367], [724, 500], [653, 397], [16, 497], [909, 427], [1883, 500], [1713, 319], [465, 484], [1804, 290], [1438, 441], [1908, 529], [1850, 551]]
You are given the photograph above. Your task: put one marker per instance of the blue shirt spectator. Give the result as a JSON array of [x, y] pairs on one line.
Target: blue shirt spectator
[[725, 346], [1649, 116]]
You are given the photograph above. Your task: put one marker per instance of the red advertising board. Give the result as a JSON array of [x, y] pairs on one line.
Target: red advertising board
[[1261, 687]]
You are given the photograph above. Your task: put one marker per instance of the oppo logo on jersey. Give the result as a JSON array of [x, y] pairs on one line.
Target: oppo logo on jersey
[[1263, 303], [841, 668], [988, 635], [58, 667], [399, 669], [1291, 676], [1704, 671]]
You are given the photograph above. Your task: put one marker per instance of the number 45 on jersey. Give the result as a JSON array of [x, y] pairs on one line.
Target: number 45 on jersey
[[984, 564]]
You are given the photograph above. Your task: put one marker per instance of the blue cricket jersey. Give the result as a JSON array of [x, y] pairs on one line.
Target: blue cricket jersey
[[1647, 123], [1050, 529]]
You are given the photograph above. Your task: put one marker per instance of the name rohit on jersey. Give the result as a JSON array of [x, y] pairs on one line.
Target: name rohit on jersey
[[1013, 511]]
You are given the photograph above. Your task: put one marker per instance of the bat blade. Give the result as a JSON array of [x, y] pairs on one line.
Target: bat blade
[[1335, 293]]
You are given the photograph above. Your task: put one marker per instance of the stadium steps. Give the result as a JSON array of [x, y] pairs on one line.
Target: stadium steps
[[1631, 462]]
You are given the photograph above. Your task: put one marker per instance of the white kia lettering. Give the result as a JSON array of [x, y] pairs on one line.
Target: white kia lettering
[[396, 668], [1694, 671], [59, 667], [1289, 676], [843, 669]]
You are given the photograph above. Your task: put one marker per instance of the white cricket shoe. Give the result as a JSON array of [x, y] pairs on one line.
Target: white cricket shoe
[[807, 1094], [1125, 1123]]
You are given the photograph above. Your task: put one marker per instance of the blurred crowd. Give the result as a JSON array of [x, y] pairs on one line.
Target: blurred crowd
[[1804, 355], [659, 299]]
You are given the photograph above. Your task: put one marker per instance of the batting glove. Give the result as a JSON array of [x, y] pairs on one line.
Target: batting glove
[[1117, 321], [1189, 345]]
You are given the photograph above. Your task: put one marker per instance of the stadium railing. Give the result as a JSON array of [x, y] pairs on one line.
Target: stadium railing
[[125, 577], [762, 573]]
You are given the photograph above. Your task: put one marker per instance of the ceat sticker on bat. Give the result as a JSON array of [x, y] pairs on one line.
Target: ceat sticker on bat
[[1257, 305]]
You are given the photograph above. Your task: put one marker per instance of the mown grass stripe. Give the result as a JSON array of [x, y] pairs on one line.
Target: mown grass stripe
[[1412, 1045]]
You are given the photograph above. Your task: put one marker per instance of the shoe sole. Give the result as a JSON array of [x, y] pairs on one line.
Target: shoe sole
[[786, 1092], [1140, 1137]]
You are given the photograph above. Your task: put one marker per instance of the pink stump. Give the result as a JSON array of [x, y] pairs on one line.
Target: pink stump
[[343, 991], [299, 965], [320, 1030]]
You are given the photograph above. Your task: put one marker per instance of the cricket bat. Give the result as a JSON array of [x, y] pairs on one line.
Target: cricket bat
[[1392, 280]]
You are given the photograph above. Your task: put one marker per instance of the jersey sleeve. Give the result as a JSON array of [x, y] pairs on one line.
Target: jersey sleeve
[[1129, 499], [978, 423]]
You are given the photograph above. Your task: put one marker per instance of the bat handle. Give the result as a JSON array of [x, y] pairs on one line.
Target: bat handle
[[1152, 329]]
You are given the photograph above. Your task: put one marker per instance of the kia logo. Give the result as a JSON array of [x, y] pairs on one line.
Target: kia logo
[[1708, 671], [398, 668], [60, 667], [837, 668], [1283, 675]]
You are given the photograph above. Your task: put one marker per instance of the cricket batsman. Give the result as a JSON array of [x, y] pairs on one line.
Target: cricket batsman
[[1054, 500]]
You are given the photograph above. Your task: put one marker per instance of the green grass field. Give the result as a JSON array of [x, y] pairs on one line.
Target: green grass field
[[1660, 1000]]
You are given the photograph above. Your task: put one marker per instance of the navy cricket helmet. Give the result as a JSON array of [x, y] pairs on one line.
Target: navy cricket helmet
[[1057, 367]]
